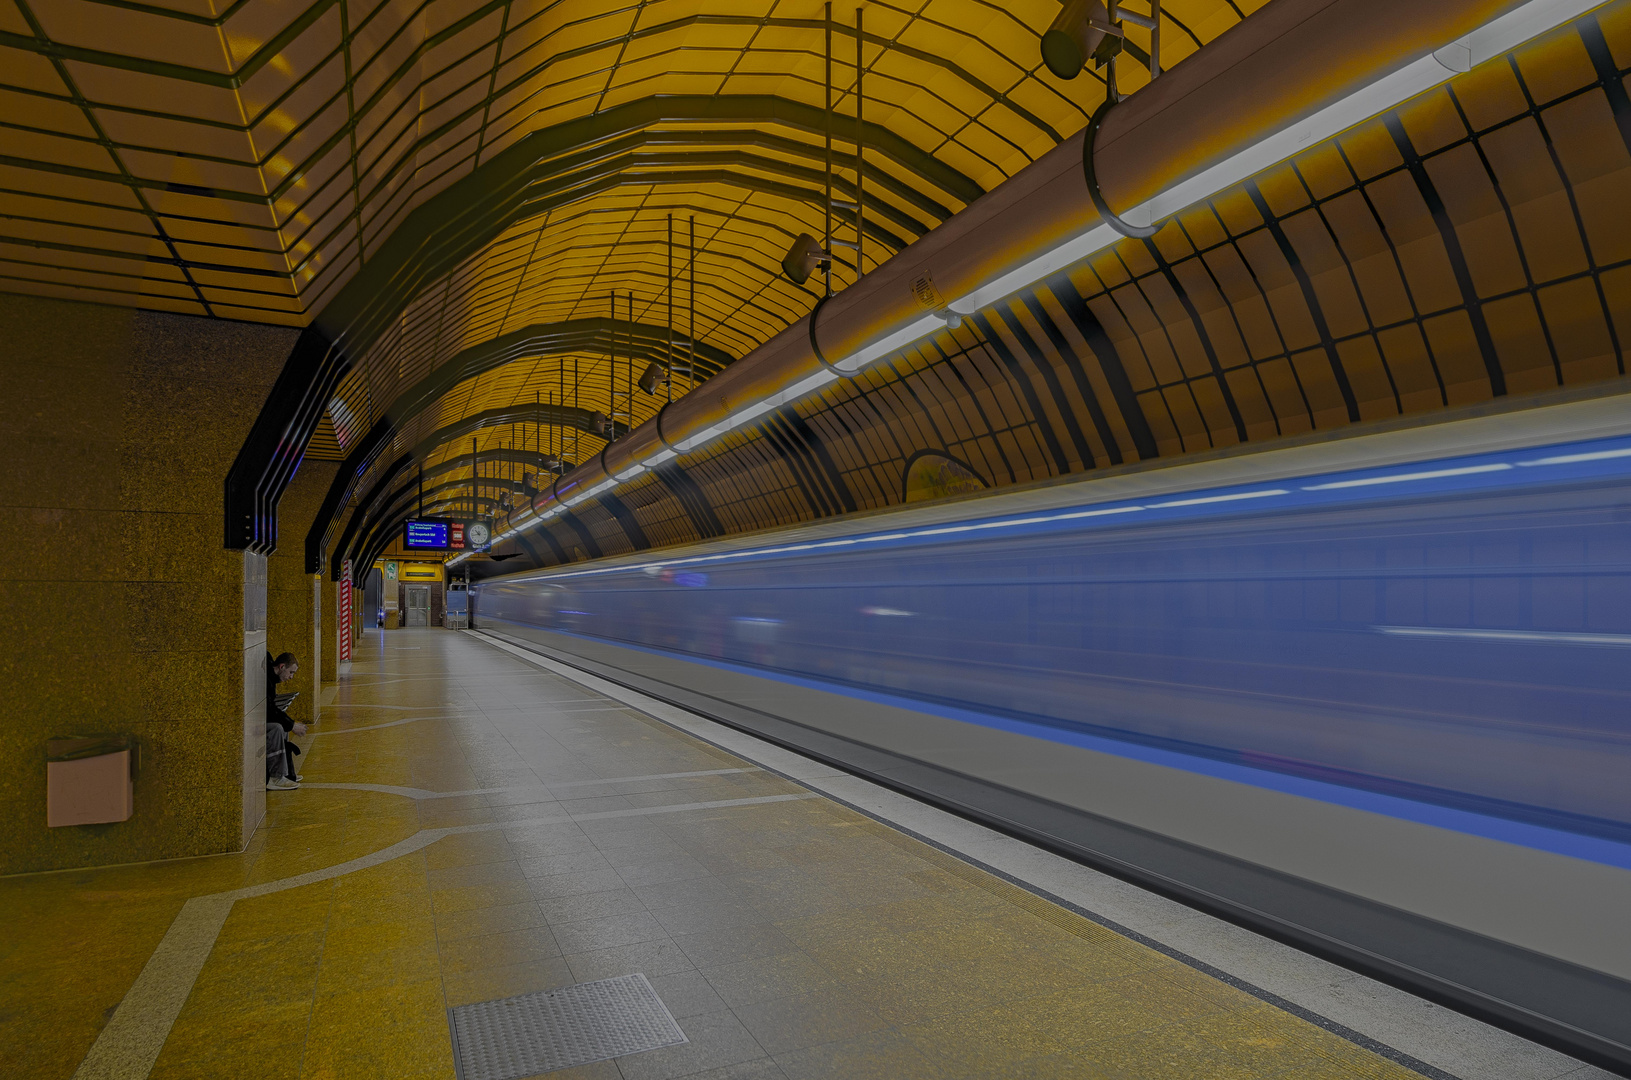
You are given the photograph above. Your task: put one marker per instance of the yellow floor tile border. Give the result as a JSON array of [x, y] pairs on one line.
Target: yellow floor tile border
[[990, 928], [1276, 1027], [1270, 1027], [133, 1037]]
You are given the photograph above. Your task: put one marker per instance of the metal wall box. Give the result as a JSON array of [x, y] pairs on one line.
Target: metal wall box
[[89, 781]]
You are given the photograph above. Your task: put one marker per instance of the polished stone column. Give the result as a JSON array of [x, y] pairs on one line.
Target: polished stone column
[[125, 613]]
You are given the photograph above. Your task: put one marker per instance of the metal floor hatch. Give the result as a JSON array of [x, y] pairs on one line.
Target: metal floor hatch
[[557, 1029]]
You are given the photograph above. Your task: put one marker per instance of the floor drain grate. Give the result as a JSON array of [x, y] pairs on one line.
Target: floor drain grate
[[557, 1029]]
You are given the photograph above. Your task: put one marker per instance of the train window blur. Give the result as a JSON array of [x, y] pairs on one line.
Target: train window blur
[[1450, 634]]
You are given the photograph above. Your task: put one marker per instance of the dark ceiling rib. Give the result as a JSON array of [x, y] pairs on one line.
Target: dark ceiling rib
[[748, 137], [464, 216], [383, 529], [385, 532], [268, 458], [408, 65], [441, 233], [367, 508], [677, 169], [408, 496], [385, 478], [491, 457], [577, 335], [392, 501]]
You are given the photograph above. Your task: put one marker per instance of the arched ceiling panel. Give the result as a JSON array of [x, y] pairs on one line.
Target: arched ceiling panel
[[250, 160]]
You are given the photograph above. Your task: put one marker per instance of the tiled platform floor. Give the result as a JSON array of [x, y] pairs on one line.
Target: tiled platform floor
[[791, 938]]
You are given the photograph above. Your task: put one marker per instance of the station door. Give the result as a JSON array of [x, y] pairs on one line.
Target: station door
[[418, 605]]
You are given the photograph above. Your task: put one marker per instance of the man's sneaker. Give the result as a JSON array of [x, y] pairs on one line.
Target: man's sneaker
[[281, 783], [298, 777]]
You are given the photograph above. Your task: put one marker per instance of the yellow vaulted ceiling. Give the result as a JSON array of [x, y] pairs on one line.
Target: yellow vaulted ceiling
[[247, 159]]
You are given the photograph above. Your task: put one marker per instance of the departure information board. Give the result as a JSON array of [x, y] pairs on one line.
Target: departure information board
[[427, 535]]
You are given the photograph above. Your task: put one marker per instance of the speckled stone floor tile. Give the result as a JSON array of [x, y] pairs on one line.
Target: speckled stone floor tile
[[474, 828]]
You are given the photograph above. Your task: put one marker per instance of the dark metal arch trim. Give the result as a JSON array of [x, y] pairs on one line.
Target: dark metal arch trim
[[369, 507], [815, 346], [660, 436], [444, 230], [906, 468], [1111, 218], [540, 339]]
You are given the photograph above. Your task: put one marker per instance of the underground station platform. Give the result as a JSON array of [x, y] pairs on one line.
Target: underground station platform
[[479, 822], [788, 539]]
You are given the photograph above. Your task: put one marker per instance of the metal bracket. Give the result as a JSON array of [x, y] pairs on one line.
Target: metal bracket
[[815, 346], [670, 447], [1134, 232]]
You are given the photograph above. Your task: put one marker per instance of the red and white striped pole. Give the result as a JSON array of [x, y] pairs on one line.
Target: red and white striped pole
[[343, 622]]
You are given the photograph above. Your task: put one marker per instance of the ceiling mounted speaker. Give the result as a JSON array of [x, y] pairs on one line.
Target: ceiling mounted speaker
[[653, 377], [802, 259], [600, 424], [1078, 33]]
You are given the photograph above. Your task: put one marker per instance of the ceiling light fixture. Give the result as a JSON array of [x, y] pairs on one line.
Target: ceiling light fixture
[[1499, 36]]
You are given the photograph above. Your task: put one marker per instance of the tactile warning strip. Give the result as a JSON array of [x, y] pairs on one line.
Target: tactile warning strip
[[557, 1029]]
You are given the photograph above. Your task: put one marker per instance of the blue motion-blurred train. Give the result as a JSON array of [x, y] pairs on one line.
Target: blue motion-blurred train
[[1371, 694]]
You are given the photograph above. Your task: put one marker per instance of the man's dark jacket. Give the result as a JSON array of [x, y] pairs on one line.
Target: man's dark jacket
[[274, 715]]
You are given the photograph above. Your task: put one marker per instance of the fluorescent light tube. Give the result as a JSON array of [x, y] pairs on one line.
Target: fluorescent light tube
[[1067, 254], [1495, 38], [901, 338]]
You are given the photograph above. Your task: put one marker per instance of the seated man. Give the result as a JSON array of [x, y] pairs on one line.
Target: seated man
[[281, 775]]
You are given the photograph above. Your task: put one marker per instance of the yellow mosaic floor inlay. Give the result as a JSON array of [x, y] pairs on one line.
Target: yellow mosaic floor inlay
[[472, 827]]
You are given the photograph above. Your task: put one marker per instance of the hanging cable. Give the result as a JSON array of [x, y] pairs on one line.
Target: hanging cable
[[860, 159], [826, 125], [670, 354], [691, 365]]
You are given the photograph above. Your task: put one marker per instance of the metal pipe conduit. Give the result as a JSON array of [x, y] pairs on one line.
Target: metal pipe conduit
[[1281, 65]]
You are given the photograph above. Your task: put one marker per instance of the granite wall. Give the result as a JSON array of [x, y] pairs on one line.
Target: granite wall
[[290, 608], [124, 613]]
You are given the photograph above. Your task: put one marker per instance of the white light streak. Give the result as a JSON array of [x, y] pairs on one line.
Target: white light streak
[[1099, 513], [1539, 637], [1571, 459], [1401, 478], [1222, 498]]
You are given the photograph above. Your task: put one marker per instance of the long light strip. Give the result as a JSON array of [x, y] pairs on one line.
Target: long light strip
[[1328, 493], [1495, 38]]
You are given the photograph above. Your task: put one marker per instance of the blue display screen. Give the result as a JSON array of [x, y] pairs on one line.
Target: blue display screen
[[425, 535]]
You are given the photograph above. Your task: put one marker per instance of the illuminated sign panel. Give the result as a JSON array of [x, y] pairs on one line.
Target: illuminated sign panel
[[427, 535]]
